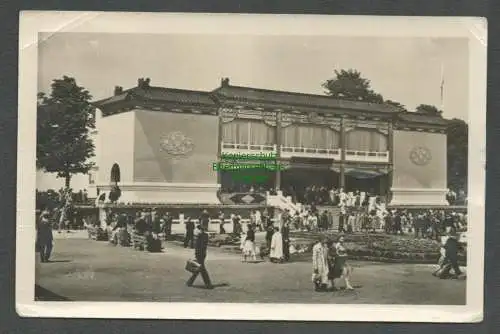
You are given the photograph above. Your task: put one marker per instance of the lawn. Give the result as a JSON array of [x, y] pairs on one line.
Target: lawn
[[88, 270]]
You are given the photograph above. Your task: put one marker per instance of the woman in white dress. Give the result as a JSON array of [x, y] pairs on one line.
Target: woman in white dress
[[276, 253], [249, 244], [258, 220]]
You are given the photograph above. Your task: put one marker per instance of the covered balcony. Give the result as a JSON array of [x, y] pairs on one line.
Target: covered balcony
[[367, 156], [309, 152], [231, 148]]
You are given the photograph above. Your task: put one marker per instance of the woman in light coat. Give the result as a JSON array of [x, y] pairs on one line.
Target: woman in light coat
[[320, 265], [276, 253]]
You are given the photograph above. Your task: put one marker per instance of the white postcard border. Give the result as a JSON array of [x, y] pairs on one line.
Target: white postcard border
[[33, 22]]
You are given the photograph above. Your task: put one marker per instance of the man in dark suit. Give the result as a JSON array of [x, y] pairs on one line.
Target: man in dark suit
[[189, 238], [200, 253], [452, 246], [44, 237], [285, 232], [167, 226], [204, 219], [156, 224]]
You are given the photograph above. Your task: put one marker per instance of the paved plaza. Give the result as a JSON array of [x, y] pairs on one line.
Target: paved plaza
[[87, 270]]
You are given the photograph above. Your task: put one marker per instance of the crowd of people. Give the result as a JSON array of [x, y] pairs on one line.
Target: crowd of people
[[52, 199], [422, 224], [359, 212], [458, 197]]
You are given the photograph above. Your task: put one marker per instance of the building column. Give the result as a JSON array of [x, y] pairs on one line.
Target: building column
[[342, 153], [277, 180], [219, 147], [390, 148]]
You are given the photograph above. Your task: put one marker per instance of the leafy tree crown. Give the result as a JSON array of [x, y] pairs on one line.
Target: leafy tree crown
[[63, 122]]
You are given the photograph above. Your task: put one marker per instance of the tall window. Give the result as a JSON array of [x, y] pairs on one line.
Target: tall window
[[115, 173], [91, 178], [366, 140], [309, 136], [248, 132]]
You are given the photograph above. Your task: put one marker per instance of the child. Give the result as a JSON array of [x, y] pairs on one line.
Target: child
[[249, 244]]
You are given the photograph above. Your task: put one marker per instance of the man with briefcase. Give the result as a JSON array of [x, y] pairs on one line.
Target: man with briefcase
[[198, 267]]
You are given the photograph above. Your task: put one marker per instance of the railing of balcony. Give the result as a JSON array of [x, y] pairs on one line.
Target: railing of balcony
[[366, 155], [248, 147], [309, 151], [289, 151]]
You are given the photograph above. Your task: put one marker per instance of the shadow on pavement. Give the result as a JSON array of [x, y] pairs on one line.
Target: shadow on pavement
[[215, 286], [58, 261], [42, 294]]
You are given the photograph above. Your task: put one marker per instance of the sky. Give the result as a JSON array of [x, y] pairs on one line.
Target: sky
[[408, 70]]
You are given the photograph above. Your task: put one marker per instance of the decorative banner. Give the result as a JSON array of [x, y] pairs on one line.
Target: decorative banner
[[174, 147], [420, 155], [177, 144], [419, 160], [247, 198]]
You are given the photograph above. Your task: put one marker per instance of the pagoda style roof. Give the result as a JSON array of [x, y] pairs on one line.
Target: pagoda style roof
[[157, 98], [160, 94], [160, 98], [422, 118], [227, 93]]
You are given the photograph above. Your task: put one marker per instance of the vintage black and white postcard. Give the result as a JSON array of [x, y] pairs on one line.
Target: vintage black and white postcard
[[253, 167]]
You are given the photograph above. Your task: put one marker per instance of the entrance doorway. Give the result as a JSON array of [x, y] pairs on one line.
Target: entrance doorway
[[296, 180], [375, 185], [258, 180]]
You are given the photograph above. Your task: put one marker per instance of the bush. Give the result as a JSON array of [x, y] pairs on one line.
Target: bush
[[115, 193], [382, 247]]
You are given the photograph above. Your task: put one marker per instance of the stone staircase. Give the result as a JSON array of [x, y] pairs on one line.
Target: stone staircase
[[283, 202]]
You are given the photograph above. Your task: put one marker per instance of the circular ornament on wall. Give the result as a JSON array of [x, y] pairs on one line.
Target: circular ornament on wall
[[177, 144], [420, 155]]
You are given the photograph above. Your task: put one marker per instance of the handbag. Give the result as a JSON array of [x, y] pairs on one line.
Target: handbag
[[192, 266]]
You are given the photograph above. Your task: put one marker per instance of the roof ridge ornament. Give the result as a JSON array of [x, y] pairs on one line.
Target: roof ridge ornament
[[143, 83], [224, 82]]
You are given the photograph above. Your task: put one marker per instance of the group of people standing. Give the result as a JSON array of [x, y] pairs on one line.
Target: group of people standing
[[148, 222], [321, 195], [423, 224], [330, 263], [277, 241]]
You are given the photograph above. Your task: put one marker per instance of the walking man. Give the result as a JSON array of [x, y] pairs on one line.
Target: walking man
[[285, 232], [200, 253], [451, 247], [44, 237], [204, 219]]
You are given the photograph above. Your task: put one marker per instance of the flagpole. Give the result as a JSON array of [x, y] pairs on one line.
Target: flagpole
[[442, 86]]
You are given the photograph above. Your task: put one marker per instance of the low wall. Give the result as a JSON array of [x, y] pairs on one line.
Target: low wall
[[192, 211]]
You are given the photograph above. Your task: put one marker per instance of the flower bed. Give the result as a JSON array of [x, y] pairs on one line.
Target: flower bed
[[378, 247], [362, 247], [214, 240]]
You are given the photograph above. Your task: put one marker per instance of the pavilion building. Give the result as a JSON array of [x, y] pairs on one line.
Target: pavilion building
[[165, 142]]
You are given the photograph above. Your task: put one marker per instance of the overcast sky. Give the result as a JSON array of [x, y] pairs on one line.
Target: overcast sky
[[407, 70]]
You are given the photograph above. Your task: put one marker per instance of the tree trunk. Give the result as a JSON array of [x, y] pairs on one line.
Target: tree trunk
[[67, 180]]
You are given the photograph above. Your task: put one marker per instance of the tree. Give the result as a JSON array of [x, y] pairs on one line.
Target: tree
[[350, 85], [457, 155], [63, 122], [428, 109], [395, 104]]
